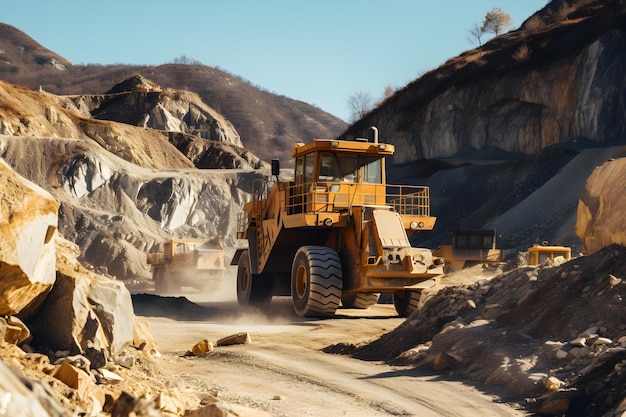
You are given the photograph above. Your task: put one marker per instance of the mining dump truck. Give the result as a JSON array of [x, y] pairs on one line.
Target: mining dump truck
[[470, 247], [187, 262], [336, 234]]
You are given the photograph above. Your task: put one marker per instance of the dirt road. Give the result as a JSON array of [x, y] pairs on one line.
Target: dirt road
[[284, 371]]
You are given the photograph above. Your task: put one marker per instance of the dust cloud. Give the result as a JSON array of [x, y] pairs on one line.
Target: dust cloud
[[215, 303]]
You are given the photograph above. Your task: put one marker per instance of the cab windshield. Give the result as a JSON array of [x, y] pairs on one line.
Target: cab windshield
[[350, 168]]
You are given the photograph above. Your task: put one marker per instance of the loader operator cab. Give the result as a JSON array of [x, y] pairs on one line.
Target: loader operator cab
[[334, 175], [335, 167]]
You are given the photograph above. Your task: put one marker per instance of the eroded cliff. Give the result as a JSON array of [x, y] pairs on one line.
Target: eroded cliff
[[546, 83]]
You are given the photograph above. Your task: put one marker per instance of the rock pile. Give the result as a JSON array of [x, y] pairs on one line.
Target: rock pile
[[554, 334]]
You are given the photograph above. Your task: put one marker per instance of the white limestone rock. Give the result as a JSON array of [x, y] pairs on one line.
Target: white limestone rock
[[28, 223]]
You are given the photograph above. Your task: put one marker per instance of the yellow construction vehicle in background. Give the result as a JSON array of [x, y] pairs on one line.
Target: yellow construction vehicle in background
[[187, 262], [539, 254], [336, 234], [470, 247]]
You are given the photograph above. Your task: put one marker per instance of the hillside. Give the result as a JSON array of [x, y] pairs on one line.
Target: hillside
[[123, 189], [557, 78], [269, 124], [506, 134]]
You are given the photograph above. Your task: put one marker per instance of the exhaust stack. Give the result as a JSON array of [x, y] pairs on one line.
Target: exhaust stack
[[375, 129]]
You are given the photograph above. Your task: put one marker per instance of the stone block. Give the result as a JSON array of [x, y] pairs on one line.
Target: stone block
[[235, 339]]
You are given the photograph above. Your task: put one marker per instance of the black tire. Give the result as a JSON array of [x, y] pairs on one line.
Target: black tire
[[252, 289], [316, 281], [406, 302], [361, 300]]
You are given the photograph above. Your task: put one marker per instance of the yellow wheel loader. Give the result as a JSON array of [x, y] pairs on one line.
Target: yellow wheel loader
[[335, 235]]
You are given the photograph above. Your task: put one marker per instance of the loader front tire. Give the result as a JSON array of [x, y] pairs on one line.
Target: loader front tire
[[361, 300], [406, 302], [316, 281], [252, 289]]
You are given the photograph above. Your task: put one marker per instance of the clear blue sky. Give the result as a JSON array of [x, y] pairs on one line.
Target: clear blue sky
[[317, 51]]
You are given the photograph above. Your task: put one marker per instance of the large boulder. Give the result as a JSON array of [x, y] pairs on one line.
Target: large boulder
[[601, 221], [28, 224], [84, 312]]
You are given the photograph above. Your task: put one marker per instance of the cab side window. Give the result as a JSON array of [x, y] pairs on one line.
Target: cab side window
[[299, 172], [309, 164]]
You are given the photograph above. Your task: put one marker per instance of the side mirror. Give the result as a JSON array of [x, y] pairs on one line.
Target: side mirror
[[275, 167]]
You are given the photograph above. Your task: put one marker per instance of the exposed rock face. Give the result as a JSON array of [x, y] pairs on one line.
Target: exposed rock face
[[140, 102], [112, 204], [116, 211], [28, 223], [522, 92], [601, 220]]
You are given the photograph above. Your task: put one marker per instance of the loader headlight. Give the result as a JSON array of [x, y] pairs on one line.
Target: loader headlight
[[328, 222], [415, 225]]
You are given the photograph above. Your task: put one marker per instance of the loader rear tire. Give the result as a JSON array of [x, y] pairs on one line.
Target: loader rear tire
[[252, 289], [316, 281], [406, 302], [361, 300]]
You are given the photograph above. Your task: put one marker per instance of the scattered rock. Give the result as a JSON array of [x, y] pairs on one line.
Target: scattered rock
[[554, 345], [412, 355], [444, 361], [13, 330], [552, 384], [127, 405], [562, 354], [170, 403], [201, 348], [143, 339], [125, 359], [88, 392], [77, 361], [235, 339], [602, 341], [109, 377]]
